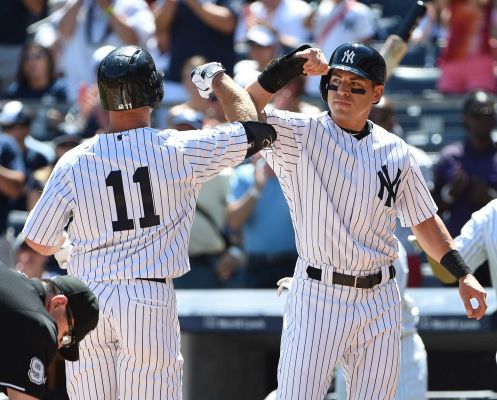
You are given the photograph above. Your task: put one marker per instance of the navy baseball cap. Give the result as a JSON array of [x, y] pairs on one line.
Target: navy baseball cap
[[84, 308]]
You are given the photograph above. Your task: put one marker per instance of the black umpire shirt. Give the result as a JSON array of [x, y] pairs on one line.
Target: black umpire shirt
[[28, 336]]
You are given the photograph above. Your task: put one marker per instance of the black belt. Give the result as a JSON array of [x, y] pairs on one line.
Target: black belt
[[360, 282], [160, 280]]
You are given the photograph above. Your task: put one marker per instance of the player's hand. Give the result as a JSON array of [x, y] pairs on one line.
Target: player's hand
[[470, 288], [284, 283], [203, 75], [316, 63], [63, 255]]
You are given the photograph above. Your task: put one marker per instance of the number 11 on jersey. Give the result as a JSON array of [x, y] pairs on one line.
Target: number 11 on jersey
[[142, 177]]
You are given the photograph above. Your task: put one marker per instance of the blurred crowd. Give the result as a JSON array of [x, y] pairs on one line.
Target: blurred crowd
[[50, 51], [242, 235]]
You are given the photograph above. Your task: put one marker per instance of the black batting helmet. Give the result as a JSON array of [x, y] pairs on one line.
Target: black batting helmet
[[358, 58], [127, 79]]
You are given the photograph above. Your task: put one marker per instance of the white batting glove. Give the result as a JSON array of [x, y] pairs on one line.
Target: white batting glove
[[64, 253], [202, 77], [284, 283]]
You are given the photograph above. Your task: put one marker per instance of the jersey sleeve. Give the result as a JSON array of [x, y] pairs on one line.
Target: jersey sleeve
[[287, 147], [415, 203], [46, 221], [471, 241], [211, 150]]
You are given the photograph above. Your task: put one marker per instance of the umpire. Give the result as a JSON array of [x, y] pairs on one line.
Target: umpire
[[40, 316]]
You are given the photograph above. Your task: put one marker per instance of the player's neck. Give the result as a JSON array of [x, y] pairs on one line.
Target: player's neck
[[120, 121]]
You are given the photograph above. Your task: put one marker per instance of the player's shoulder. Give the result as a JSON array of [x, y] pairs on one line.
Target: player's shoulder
[[385, 136], [305, 118], [70, 157]]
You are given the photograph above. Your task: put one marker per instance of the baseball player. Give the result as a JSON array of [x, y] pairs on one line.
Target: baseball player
[[346, 181], [413, 370], [128, 197], [40, 316]]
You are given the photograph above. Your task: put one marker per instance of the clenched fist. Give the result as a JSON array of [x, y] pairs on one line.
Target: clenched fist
[[202, 77]]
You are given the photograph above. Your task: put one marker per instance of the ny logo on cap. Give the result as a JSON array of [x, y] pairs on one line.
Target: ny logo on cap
[[348, 57]]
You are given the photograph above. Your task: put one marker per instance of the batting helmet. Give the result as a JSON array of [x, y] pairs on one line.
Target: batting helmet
[[357, 58], [127, 79]]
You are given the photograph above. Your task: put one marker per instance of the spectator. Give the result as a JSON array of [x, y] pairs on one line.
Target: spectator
[[203, 28], [208, 240], [15, 16], [285, 17], [36, 76], [15, 120], [263, 46], [465, 175], [290, 98], [467, 61], [12, 180], [257, 207], [86, 25], [28, 261], [212, 112], [335, 22], [86, 117], [62, 144]]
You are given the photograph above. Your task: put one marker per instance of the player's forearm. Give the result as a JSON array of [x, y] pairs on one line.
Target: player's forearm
[[217, 17], [260, 98], [235, 101], [46, 250], [11, 182], [434, 238]]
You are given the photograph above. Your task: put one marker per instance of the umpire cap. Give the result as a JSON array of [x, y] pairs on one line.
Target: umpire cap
[[128, 79], [84, 308], [358, 58]]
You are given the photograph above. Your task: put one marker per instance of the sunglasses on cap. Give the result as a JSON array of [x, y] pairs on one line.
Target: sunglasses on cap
[[69, 339]]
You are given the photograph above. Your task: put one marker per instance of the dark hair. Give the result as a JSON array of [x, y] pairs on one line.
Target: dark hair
[[21, 76]]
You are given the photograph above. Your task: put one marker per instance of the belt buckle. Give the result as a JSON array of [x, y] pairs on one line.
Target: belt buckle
[[355, 281]]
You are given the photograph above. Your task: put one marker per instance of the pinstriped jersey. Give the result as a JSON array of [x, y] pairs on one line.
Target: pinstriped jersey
[[129, 199], [477, 241], [345, 193]]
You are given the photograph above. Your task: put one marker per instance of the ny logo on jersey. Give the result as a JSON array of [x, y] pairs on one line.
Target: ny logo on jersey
[[348, 57], [386, 183]]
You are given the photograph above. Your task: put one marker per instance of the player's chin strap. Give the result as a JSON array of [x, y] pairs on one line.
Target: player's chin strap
[[259, 136]]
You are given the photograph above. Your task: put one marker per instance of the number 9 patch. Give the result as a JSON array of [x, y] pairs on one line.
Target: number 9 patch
[[36, 372]]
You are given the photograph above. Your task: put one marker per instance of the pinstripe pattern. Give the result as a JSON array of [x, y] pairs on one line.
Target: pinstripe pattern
[[179, 162], [413, 373], [478, 240], [130, 197], [344, 196], [147, 360]]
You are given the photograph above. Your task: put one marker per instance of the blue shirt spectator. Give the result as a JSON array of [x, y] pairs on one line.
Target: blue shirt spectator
[[36, 76], [190, 35], [257, 206], [11, 185]]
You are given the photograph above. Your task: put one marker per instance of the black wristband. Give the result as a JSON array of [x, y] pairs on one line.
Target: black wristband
[[282, 70], [454, 263]]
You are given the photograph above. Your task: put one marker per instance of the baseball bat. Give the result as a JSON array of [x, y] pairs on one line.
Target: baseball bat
[[396, 45]]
